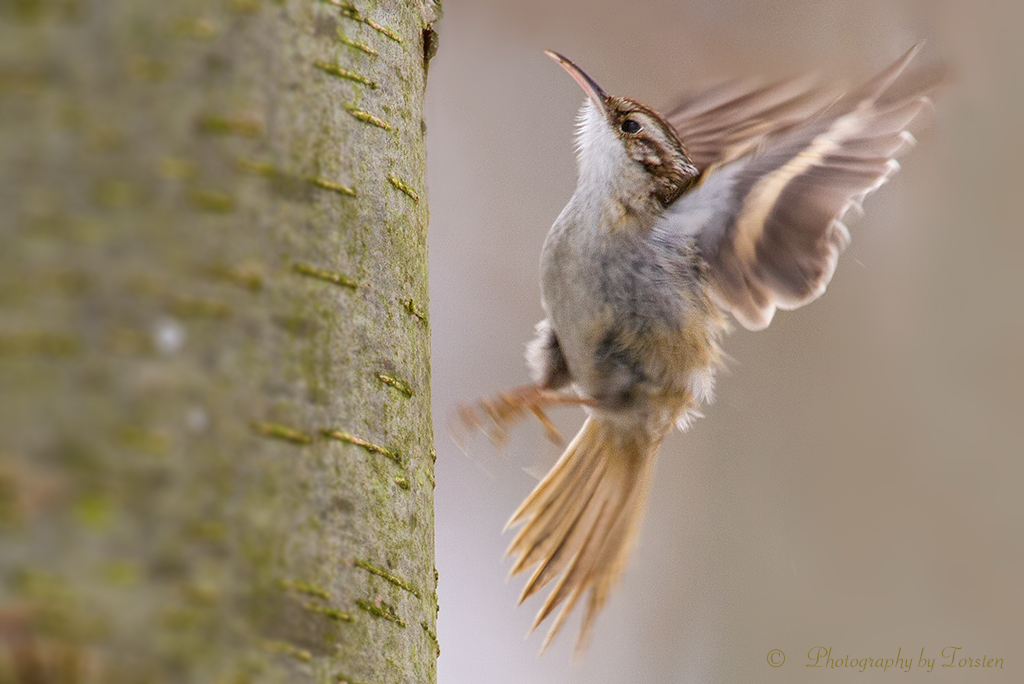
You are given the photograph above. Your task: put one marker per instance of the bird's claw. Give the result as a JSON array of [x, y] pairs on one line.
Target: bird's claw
[[508, 408]]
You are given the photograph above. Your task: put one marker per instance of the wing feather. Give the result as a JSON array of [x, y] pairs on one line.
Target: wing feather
[[768, 223], [726, 121]]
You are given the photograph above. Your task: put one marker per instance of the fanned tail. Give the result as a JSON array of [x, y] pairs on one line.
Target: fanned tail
[[581, 520]]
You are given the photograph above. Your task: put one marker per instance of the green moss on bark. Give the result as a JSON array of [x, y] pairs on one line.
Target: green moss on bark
[[213, 257]]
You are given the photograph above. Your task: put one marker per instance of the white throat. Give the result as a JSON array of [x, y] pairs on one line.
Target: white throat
[[600, 157], [605, 171]]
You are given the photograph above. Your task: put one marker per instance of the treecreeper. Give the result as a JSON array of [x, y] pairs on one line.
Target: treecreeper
[[729, 205]]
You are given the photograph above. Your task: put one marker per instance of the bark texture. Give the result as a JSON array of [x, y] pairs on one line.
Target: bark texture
[[215, 438]]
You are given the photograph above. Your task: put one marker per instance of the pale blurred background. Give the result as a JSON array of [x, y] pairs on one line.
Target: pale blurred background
[[858, 484]]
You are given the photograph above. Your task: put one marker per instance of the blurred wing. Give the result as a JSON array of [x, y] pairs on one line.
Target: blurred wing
[[768, 224], [724, 122]]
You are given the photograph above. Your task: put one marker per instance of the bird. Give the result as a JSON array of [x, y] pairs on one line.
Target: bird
[[729, 206]]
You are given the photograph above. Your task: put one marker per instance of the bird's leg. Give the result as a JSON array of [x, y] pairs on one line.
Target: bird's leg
[[509, 407]]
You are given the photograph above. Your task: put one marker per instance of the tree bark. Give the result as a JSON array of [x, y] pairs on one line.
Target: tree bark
[[215, 437]]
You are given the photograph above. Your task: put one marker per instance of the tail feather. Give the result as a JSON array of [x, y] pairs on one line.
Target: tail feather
[[580, 521], [554, 522], [560, 476], [568, 545]]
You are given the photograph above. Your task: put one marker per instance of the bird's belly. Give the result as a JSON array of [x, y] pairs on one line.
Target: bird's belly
[[625, 343], [632, 318]]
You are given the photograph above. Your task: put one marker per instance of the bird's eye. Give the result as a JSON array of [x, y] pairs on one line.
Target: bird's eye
[[630, 126]]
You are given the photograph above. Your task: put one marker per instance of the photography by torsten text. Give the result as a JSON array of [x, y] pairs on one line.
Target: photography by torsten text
[[949, 656]]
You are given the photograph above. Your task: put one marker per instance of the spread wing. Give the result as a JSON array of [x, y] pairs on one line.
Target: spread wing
[[722, 123], [768, 223]]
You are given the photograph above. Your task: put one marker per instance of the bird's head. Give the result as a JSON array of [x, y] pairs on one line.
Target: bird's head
[[625, 148]]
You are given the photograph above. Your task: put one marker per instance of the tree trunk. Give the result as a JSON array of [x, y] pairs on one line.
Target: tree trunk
[[215, 438]]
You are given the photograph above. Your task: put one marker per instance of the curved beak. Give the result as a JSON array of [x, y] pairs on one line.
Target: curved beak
[[588, 84]]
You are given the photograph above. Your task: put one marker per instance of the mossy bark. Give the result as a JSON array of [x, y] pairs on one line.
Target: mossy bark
[[215, 442]]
